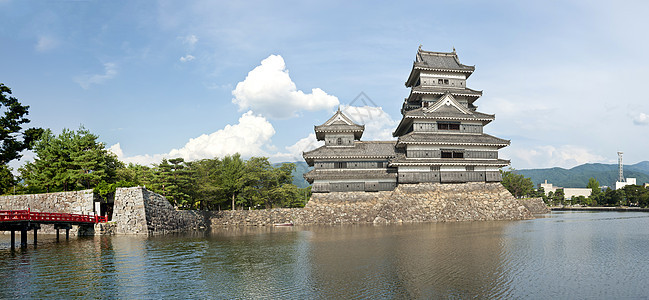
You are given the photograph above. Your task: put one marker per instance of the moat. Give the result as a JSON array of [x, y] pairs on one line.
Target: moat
[[564, 255]]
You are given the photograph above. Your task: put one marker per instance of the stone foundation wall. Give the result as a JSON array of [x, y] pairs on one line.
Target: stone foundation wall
[[140, 211], [162, 217], [536, 205], [129, 214], [78, 202], [423, 202]]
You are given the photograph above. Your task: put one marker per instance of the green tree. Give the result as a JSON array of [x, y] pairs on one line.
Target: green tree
[[173, 180], [581, 200], [613, 197], [13, 137], [231, 176], [135, 174], [596, 191], [181, 183], [206, 192], [72, 160], [634, 194], [643, 199], [558, 196], [517, 184]]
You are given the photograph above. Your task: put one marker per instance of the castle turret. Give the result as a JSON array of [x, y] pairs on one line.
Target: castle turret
[[345, 163], [339, 130], [441, 136]]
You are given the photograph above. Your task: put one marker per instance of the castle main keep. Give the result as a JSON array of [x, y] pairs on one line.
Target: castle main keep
[[440, 138]]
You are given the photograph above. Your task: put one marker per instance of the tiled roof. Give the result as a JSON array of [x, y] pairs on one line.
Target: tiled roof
[[441, 60], [359, 150], [451, 114], [402, 160], [436, 61], [443, 115], [451, 139], [441, 90], [339, 128], [339, 122]]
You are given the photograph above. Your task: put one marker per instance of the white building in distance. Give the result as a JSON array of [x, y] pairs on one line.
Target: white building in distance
[[621, 184], [567, 192]]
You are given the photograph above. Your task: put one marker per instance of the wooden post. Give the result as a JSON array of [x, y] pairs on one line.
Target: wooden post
[[67, 234], [57, 234], [23, 238], [35, 237], [13, 239]]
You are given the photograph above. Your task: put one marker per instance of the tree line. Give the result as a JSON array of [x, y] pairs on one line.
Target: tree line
[[76, 160], [630, 195]]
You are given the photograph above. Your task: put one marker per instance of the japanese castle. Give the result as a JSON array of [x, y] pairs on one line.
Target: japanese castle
[[440, 138]]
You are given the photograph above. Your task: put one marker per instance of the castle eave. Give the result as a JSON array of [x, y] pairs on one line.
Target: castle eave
[[443, 90], [442, 162], [452, 144]]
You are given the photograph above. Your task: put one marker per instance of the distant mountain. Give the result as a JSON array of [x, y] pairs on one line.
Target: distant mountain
[[606, 174], [300, 168]]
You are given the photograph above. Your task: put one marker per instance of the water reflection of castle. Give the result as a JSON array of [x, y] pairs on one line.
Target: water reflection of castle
[[440, 137]]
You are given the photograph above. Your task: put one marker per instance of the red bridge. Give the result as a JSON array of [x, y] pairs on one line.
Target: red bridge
[[25, 220]]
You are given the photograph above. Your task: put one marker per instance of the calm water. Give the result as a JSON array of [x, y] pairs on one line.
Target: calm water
[[566, 255]]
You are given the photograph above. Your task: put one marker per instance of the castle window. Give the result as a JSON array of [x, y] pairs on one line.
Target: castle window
[[445, 81], [339, 141], [448, 126], [340, 165], [440, 81], [452, 154], [470, 168]]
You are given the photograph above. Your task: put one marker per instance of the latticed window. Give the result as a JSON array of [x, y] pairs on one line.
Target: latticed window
[[452, 154], [340, 165], [448, 126], [339, 141]]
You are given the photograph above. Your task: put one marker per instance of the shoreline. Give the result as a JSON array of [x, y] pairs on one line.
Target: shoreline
[[598, 208]]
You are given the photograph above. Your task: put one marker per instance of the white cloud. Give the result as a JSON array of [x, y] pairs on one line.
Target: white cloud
[[190, 40], [144, 160], [187, 58], [46, 43], [248, 138], [378, 124], [110, 70], [27, 156], [117, 150], [641, 119], [294, 152], [269, 90], [565, 156]]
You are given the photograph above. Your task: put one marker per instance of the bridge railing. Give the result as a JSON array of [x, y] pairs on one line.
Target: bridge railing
[[28, 215]]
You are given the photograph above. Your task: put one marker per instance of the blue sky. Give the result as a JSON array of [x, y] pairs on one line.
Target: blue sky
[[204, 79]]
